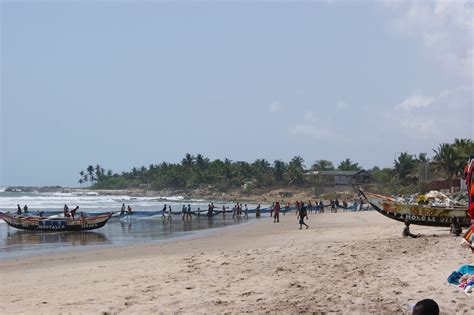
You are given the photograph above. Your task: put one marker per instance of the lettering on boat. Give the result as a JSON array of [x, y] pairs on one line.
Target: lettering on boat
[[53, 225]]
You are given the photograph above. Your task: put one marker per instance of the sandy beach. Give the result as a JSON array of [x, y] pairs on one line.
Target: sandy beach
[[354, 263]]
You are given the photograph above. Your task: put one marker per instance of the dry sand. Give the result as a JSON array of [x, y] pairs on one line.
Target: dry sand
[[353, 263]]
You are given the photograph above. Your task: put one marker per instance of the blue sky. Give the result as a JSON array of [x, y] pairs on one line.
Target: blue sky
[[128, 84]]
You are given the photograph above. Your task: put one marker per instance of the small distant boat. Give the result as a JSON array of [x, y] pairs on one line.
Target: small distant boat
[[37, 223], [416, 214]]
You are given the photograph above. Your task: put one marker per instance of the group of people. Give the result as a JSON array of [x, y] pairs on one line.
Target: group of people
[[18, 211], [124, 210], [238, 209], [301, 212]]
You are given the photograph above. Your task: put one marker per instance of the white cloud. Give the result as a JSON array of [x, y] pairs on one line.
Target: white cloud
[[309, 130], [445, 29], [276, 107], [440, 118], [415, 101], [446, 32]]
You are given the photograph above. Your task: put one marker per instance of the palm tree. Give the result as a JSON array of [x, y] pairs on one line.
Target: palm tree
[[227, 168], [90, 171], [404, 166], [296, 170], [446, 159], [188, 161], [82, 176], [322, 165], [464, 148], [201, 161], [80, 181], [278, 171], [347, 165], [99, 173]]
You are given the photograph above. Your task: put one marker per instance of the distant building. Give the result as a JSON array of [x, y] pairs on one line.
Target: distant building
[[338, 178]]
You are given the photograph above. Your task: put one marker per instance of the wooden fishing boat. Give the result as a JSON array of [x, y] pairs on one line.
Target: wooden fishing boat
[[55, 224], [416, 214]]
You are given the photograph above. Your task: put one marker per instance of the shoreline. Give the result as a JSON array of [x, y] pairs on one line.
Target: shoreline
[[353, 262], [209, 194], [187, 235]]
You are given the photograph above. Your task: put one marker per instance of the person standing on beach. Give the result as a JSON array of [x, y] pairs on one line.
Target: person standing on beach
[[163, 211], [122, 210], [257, 211], [169, 213], [210, 209], [246, 212], [183, 212], [129, 209], [310, 206], [18, 209], [271, 209], [287, 208], [276, 216], [302, 213], [188, 213], [25, 209], [321, 206]]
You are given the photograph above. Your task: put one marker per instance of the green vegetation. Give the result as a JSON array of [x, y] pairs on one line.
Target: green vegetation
[[198, 171]]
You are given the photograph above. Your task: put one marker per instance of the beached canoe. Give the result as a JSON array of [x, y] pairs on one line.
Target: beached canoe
[[416, 214], [55, 224]]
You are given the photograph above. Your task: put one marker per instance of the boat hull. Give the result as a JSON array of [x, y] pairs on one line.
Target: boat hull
[[417, 214], [55, 225]]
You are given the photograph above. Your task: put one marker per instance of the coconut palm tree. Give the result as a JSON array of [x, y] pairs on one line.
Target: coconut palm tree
[[404, 166], [188, 161], [322, 165], [348, 165], [279, 168], [296, 171], [446, 160], [90, 171]]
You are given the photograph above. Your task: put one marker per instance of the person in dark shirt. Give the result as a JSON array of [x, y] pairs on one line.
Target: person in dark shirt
[[302, 213]]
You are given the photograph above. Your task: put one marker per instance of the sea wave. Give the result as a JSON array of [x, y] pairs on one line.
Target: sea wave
[[37, 201]]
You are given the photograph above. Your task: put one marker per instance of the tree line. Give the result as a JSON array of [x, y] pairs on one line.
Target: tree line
[[195, 171]]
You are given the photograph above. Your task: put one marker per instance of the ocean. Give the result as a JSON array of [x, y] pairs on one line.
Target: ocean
[[145, 227]]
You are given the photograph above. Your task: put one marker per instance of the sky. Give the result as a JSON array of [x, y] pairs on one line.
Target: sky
[[124, 84]]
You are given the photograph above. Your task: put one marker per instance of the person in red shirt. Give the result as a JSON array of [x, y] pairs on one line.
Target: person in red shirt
[[468, 170], [276, 214], [73, 211]]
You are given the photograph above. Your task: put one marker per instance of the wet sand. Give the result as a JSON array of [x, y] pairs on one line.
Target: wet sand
[[345, 263]]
